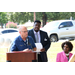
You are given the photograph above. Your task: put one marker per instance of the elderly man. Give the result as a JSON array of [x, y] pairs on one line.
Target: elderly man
[[23, 42]]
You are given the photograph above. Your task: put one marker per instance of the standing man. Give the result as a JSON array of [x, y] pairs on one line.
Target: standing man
[[40, 37], [23, 42]]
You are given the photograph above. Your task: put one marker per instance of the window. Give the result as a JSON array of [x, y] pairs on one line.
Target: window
[[5, 31], [63, 24], [69, 24], [11, 31], [66, 24], [8, 31]]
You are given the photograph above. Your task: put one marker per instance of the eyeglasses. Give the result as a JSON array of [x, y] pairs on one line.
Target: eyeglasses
[[24, 31]]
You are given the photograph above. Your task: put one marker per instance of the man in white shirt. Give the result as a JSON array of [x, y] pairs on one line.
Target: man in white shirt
[[40, 36]]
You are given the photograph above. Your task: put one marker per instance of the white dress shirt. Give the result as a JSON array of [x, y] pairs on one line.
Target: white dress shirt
[[38, 38], [38, 35]]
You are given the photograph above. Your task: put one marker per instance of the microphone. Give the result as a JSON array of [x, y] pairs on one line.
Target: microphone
[[28, 43]]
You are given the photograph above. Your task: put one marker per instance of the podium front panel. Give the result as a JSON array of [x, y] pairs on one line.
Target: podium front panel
[[20, 56]]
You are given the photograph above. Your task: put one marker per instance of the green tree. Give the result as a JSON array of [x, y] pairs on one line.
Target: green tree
[[3, 18], [22, 17]]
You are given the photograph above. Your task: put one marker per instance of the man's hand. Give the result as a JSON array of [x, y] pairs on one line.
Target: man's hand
[[34, 49], [27, 50], [43, 50]]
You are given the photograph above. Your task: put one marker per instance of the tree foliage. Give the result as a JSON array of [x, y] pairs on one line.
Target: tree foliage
[[3, 18], [22, 17]]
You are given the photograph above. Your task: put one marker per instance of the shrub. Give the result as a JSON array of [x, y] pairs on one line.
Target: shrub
[[11, 25]]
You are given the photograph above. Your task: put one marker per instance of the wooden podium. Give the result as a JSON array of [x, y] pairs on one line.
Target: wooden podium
[[21, 56]]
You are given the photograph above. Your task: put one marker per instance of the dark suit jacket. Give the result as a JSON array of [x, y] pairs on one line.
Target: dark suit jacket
[[44, 41]]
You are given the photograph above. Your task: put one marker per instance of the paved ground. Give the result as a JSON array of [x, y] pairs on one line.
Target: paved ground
[[64, 40]]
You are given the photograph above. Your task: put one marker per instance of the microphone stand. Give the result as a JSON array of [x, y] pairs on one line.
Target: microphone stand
[[32, 49]]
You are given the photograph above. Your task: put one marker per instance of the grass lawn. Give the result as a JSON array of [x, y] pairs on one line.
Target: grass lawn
[[3, 54], [51, 53]]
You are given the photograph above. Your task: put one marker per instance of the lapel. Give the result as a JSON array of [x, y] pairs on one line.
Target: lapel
[[41, 36], [70, 55], [64, 56], [33, 36]]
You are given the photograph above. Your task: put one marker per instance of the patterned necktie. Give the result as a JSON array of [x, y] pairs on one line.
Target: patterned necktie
[[37, 38]]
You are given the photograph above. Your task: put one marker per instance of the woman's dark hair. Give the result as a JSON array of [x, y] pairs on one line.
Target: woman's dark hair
[[69, 45]]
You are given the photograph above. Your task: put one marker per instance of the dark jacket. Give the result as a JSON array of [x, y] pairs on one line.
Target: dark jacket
[[44, 41]]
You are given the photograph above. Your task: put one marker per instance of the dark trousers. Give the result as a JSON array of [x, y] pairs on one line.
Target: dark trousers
[[39, 58]]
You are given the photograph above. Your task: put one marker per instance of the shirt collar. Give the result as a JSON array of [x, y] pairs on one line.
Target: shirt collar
[[21, 39], [35, 32]]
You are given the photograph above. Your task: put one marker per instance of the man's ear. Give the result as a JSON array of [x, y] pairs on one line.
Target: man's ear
[[19, 32]]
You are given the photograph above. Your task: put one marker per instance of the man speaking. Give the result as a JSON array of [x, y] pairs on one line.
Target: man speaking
[[23, 42]]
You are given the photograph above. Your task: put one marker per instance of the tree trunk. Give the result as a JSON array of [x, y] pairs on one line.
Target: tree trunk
[[44, 18], [34, 16], [1, 25]]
